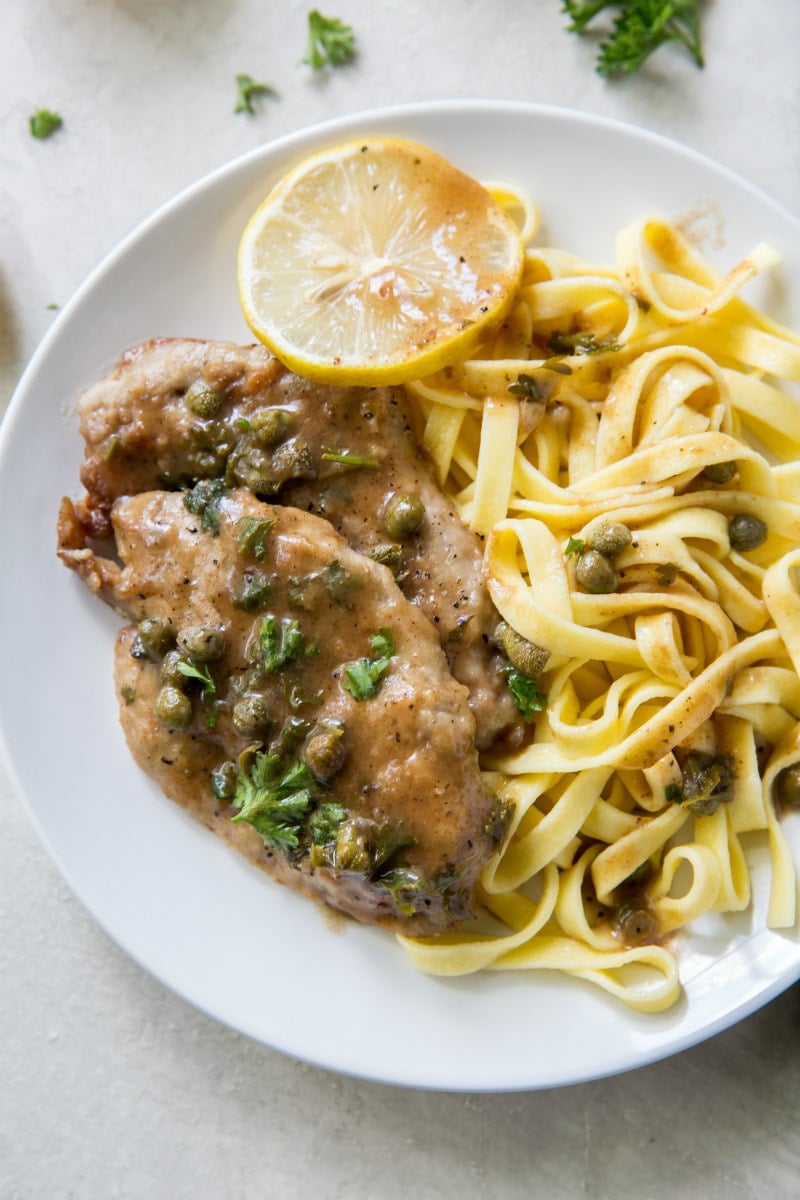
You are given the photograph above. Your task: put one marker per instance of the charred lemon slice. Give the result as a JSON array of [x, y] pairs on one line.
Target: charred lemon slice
[[376, 262]]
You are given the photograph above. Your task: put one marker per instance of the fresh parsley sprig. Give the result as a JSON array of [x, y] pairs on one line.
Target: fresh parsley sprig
[[274, 796], [330, 42], [44, 123], [247, 89], [639, 28]]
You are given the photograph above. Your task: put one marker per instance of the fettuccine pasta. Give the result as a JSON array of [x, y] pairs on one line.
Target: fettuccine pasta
[[627, 446]]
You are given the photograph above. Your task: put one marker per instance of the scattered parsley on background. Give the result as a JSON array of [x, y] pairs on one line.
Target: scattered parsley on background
[[43, 123], [330, 42], [246, 90], [639, 28]]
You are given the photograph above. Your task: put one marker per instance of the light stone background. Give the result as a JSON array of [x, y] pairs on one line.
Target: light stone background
[[109, 1085]]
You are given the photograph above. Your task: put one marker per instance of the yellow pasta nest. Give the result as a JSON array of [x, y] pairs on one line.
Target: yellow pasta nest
[[647, 395]]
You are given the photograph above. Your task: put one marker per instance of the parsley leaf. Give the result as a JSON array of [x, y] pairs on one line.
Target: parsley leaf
[[280, 643], [190, 671], [330, 42], [325, 822], [574, 546], [43, 124], [251, 536], [362, 678], [639, 28], [580, 343], [275, 798], [528, 696], [246, 90]]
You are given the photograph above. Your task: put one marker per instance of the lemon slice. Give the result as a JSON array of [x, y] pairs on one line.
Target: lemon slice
[[376, 262]]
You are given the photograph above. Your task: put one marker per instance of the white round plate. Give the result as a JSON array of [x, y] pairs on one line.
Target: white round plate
[[216, 930]]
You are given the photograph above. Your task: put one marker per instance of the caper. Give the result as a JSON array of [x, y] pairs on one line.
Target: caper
[[722, 472], [203, 643], [204, 462], [708, 781], [745, 531], [609, 538], [156, 635], [250, 715], [787, 786], [325, 752], [390, 554], [223, 780], [173, 708], [403, 515], [291, 460], [595, 573], [524, 655], [353, 851], [170, 669], [251, 468], [203, 400], [269, 426], [635, 924]]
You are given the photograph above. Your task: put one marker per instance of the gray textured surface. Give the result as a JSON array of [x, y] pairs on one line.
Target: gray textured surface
[[109, 1085]]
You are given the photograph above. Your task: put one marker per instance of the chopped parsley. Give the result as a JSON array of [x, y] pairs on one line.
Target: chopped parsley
[[204, 500], [325, 822], [43, 124], [527, 695], [251, 535], [362, 678], [348, 460], [527, 386], [209, 692], [255, 592], [638, 29], [330, 42], [281, 642], [575, 545], [580, 343], [246, 91], [274, 796]]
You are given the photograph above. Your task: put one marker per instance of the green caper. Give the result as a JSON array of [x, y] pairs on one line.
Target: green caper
[[390, 554], [204, 462], [202, 643], [250, 715], [609, 538], [353, 852], [403, 515], [223, 780], [524, 655], [745, 531], [156, 635], [787, 787], [595, 573], [269, 426], [634, 923], [203, 400], [170, 670], [291, 460], [325, 752], [173, 708], [722, 472]]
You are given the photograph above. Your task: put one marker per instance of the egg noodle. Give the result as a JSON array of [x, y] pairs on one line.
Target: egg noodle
[[652, 395]]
